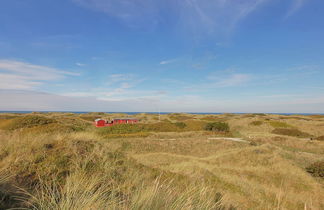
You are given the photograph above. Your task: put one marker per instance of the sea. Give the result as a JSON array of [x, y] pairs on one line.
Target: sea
[[134, 113]]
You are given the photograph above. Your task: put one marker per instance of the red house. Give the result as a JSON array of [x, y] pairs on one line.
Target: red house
[[100, 123], [103, 123]]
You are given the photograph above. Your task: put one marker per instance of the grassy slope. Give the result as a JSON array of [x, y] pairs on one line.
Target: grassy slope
[[67, 164]]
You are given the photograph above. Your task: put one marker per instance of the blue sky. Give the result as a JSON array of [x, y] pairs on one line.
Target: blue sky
[[171, 55]]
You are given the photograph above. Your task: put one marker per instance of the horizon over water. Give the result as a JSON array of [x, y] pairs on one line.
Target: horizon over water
[[133, 113]]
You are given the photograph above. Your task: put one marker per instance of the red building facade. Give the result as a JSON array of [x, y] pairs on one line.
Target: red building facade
[[103, 123]]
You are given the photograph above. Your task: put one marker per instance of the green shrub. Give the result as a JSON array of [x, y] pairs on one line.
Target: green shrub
[[217, 126], [291, 132], [316, 169], [254, 115], [256, 123], [180, 124], [4, 116], [210, 118], [28, 122], [90, 117], [278, 124], [195, 125], [121, 129], [180, 117], [162, 127], [259, 114]]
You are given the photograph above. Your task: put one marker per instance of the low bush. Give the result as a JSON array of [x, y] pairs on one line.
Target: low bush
[[90, 117], [162, 127], [180, 117], [254, 115], [180, 124], [51, 128], [256, 123], [316, 169], [291, 132], [4, 116], [320, 138], [195, 125], [278, 124], [27, 122], [210, 118], [217, 126], [121, 129]]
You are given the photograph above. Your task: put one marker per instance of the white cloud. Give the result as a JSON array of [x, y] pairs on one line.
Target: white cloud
[[116, 87], [10, 81], [296, 5], [37, 101], [167, 61], [227, 78], [203, 16], [80, 64], [116, 78], [233, 80], [21, 75]]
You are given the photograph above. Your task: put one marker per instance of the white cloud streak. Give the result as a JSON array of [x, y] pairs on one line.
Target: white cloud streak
[[21, 75], [167, 61], [36, 101], [80, 64], [203, 16], [296, 6], [233, 80]]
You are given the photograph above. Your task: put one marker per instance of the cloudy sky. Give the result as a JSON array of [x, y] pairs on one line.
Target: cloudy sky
[[167, 55]]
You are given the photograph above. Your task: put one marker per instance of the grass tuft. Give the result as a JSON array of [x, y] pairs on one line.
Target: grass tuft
[[278, 124], [256, 123], [316, 169], [291, 132]]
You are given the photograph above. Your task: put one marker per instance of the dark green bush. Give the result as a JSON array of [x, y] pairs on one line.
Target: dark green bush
[[121, 129], [256, 123], [162, 127], [90, 118], [217, 126], [29, 121], [180, 117], [279, 124], [316, 169], [210, 118], [180, 124], [291, 132]]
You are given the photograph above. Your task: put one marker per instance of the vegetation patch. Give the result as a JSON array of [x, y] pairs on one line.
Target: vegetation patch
[[278, 124], [210, 118], [90, 118], [7, 116], [27, 121], [51, 128], [254, 115], [194, 125], [143, 129], [180, 117], [316, 169], [256, 123], [217, 126], [291, 132], [180, 124], [320, 138]]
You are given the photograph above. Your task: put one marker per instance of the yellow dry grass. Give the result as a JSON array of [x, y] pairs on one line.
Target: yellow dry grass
[[79, 169]]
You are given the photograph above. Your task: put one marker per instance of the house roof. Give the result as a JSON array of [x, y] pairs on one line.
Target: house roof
[[98, 119]]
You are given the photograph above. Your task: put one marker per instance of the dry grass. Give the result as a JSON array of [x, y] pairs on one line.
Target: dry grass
[[182, 169]]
